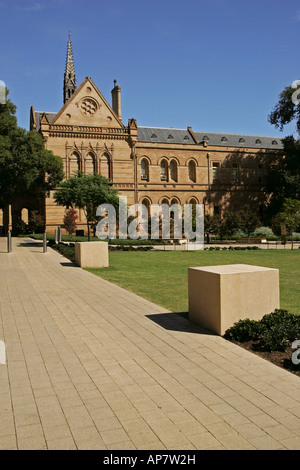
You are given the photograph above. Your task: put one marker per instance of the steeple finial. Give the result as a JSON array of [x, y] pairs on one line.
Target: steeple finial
[[69, 77]]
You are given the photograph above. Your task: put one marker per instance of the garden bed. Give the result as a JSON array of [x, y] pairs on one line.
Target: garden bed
[[271, 338], [281, 359]]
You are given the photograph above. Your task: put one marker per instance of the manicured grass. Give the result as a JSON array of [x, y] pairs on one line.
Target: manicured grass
[[161, 276]]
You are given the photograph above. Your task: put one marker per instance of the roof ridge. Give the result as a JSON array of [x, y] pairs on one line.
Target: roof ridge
[[244, 135], [211, 132], [163, 128]]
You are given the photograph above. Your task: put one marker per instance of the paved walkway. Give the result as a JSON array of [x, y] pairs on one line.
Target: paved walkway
[[92, 366]]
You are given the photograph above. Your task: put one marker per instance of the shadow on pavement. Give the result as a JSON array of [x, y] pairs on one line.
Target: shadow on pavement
[[177, 322]]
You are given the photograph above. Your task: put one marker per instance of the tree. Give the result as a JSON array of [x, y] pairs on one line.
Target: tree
[[70, 220], [247, 220], [290, 216], [286, 110], [86, 192], [225, 225], [35, 222], [283, 181], [26, 167]]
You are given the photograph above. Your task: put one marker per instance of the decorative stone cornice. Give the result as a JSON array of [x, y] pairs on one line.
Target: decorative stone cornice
[[87, 132]]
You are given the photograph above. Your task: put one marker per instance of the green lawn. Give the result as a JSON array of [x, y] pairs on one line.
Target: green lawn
[[161, 276]]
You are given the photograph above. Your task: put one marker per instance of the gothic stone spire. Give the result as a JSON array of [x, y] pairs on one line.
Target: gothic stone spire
[[69, 77]]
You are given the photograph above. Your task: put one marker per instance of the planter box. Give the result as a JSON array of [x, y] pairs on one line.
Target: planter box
[[219, 296], [91, 254]]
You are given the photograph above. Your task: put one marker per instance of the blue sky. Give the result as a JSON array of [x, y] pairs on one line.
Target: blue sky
[[215, 65]]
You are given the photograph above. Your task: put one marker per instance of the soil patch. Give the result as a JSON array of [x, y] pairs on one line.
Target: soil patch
[[279, 358]]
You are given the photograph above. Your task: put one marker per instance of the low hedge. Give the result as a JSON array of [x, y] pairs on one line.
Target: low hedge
[[274, 332], [68, 249], [223, 248]]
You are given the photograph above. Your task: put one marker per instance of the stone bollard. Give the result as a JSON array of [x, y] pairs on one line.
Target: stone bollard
[[220, 296], [91, 254], [9, 244], [45, 242]]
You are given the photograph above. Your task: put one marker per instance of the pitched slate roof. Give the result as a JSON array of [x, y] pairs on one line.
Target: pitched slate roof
[[38, 115], [184, 136], [163, 135], [238, 140]]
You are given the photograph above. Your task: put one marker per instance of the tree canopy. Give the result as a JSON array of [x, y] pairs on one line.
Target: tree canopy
[[26, 167], [86, 192], [286, 110], [283, 180]]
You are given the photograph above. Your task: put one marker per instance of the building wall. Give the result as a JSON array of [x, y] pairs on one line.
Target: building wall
[[240, 175], [89, 135]]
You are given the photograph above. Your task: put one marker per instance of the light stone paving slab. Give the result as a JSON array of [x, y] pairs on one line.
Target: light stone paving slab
[[92, 366]]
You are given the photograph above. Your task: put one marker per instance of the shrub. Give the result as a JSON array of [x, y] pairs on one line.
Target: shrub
[[36, 222], [70, 220], [244, 330], [282, 327], [274, 332], [296, 236], [279, 316], [68, 251], [263, 232], [21, 228], [275, 338]]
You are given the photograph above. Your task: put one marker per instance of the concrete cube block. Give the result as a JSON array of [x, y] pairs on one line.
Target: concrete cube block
[[91, 254], [219, 296]]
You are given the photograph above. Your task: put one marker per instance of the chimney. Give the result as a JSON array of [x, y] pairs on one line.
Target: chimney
[[116, 99]]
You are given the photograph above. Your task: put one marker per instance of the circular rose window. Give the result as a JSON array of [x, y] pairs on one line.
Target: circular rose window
[[88, 106]]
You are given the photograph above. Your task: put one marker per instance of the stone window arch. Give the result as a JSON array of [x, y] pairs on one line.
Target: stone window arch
[[145, 169], [147, 203], [164, 170], [174, 200], [193, 201], [74, 163], [173, 170], [105, 165], [164, 200], [89, 163], [192, 171]]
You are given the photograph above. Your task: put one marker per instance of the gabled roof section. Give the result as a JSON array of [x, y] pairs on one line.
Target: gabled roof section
[[36, 116], [88, 90]]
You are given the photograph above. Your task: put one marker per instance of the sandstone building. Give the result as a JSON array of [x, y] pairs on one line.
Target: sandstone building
[[149, 164]]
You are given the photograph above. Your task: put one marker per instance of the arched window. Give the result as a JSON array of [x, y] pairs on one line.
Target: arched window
[[164, 170], [74, 163], [144, 169], [192, 171], [105, 165], [146, 203], [173, 170], [89, 164]]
